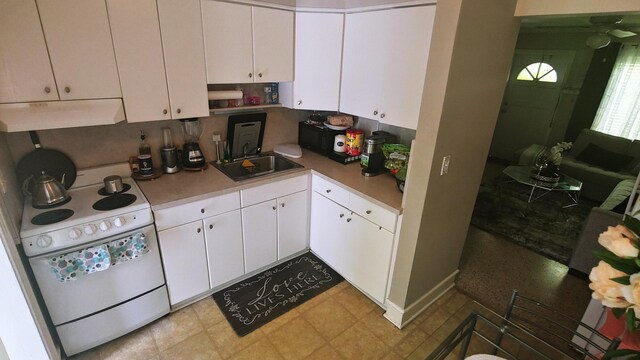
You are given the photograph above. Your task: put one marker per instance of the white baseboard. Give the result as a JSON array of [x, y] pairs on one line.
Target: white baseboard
[[401, 317]]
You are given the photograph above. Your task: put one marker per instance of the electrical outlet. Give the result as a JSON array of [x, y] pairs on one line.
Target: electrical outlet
[[445, 165]]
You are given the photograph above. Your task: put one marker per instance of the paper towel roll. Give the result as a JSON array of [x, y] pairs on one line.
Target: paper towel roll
[[225, 95]]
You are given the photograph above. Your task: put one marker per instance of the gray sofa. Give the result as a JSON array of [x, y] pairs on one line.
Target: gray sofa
[[597, 183]]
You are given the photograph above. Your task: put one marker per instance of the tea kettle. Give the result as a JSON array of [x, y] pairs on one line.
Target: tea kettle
[[46, 191]]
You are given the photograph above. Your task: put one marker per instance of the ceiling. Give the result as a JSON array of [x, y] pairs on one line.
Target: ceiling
[[577, 23]]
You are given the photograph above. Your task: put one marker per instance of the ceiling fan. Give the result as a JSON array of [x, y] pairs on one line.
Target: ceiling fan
[[607, 26]]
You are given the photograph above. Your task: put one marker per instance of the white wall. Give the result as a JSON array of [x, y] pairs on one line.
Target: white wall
[[18, 330], [461, 100]]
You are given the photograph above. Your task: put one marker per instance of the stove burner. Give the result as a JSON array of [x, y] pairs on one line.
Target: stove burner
[[114, 202], [53, 205], [125, 188], [51, 217]]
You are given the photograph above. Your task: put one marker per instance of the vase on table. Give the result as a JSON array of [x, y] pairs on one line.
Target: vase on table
[[614, 327]]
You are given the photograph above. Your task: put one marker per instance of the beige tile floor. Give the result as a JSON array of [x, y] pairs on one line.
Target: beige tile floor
[[340, 323]]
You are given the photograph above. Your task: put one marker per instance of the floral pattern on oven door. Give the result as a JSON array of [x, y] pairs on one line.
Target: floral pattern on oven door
[[69, 267]]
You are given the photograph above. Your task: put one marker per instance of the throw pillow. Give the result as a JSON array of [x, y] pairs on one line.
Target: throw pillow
[[619, 197], [608, 160]]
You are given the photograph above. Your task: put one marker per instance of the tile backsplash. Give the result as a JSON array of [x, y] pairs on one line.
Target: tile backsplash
[[100, 145]]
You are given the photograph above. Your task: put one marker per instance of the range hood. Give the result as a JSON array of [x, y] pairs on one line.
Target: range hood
[[60, 114]]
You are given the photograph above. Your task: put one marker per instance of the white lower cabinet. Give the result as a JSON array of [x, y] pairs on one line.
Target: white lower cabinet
[[259, 230], [223, 239], [275, 218], [368, 256], [327, 231], [293, 213], [184, 258], [354, 246], [210, 242]]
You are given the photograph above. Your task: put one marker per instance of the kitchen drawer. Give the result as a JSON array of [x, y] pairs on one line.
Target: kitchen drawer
[[372, 212], [182, 214], [273, 190], [330, 190]]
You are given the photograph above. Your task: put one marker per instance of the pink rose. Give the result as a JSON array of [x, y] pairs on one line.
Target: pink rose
[[631, 292], [606, 290], [620, 241]]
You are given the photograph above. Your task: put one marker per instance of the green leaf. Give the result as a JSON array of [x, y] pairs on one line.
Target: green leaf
[[632, 223], [618, 312], [631, 319], [626, 265], [624, 280], [637, 260]]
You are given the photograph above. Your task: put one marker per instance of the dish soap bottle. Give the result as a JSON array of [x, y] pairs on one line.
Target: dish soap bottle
[[145, 164]]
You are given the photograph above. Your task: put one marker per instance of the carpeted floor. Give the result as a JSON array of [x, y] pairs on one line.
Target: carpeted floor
[[546, 227]]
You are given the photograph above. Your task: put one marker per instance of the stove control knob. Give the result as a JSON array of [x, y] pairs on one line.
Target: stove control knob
[[75, 233], [105, 225], [119, 221], [90, 229], [43, 241]]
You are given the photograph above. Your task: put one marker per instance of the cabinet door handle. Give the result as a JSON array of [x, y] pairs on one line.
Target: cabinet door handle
[[328, 191], [179, 111], [67, 89], [375, 112], [282, 204], [250, 75], [211, 227], [273, 207], [299, 102], [202, 211], [199, 230], [348, 219], [368, 211], [341, 215], [164, 111], [47, 89], [382, 116], [259, 74]]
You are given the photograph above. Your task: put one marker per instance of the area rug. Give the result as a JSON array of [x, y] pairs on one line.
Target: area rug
[[261, 298], [546, 227]]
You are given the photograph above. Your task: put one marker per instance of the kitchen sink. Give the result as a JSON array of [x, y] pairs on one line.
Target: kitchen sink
[[264, 164]]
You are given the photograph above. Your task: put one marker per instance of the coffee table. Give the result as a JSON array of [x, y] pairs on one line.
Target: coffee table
[[567, 185]]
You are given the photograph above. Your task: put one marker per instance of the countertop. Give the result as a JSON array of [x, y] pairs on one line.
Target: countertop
[[187, 186]]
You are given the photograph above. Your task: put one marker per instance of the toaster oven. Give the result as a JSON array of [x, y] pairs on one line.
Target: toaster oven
[[317, 138]]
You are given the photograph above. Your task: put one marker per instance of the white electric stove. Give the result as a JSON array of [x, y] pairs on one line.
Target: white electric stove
[[89, 309]]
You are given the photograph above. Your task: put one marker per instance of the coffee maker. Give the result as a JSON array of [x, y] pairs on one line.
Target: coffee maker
[[169, 153], [372, 157], [192, 157]]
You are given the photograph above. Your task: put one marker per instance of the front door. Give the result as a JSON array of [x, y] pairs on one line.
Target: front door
[[530, 100]]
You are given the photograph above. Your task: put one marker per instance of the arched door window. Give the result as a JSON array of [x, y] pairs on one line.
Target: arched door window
[[539, 71]]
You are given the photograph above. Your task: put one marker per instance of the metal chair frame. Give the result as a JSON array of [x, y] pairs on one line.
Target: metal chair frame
[[525, 333]]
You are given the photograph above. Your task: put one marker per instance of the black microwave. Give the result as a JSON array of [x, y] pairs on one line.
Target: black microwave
[[317, 138]]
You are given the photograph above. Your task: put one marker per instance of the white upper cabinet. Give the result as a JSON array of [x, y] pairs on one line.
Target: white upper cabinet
[[182, 41], [318, 61], [364, 39], [25, 73], [272, 45], [384, 64], [247, 44], [159, 81], [228, 44], [136, 39], [80, 48]]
